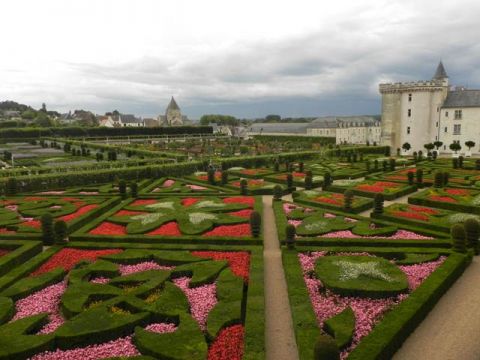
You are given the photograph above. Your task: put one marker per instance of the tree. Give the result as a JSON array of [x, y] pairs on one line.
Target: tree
[[406, 146], [255, 223], [290, 232], [47, 229], [457, 232], [437, 144], [273, 118], [455, 147], [469, 144], [429, 147], [60, 229]]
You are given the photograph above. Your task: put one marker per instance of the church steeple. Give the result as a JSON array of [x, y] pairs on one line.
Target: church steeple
[[440, 73], [173, 105]]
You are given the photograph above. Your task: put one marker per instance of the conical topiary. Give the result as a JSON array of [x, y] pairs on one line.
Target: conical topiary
[[457, 232], [243, 187], [472, 232], [410, 176], [277, 193], [255, 223], [290, 232], [48, 235], [348, 200], [378, 203]]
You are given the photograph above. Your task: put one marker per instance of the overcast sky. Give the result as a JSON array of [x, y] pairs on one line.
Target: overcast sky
[[247, 58]]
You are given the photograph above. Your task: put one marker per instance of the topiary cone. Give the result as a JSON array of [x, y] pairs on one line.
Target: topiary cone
[[472, 232], [255, 223], [457, 232], [326, 349], [290, 232]]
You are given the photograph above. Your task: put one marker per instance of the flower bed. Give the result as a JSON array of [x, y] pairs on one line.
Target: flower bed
[[178, 219], [463, 200], [331, 200], [21, 215], [297, 177], [257, 186], [250, 173], [100, 189], [171, 186], [369, 188], [401, 286], [131, 302]]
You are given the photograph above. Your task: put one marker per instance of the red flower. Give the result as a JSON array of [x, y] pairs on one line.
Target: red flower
[[79, 212], [423, 209], [250, 171], [71, 199], [442, 198], [34, 198], [3, 252], [68, 257], [239, 261], [328, 200], [169, 229], [108, 228], [228, 345], [370, 188], [298, 174], [32, 223], [242, 213], [386, 184], [397, 177], [411, 215], [129, 213], [190, 201], [249, 200], [5, 231], [143, 202], [230, 230], [460, 192]]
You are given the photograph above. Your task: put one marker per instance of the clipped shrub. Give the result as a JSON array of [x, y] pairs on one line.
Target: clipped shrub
[[457, 232], [438, 181], [460, 161], [367, 166], [60, 229], [134, 189], [348, 200], [122, 188], [472, 233], [419, 176], [11, 186], [455, 163], [477, 164], [301, 166], [375, 165], [243, 187], [290, 232], [326, 349], [445, 178], [211, 176], [48, 235], [308, 181], [327, 180], [378, 203], [277, 193], [384, 165], [411, 177], [255, 223], [289, 181], [224, 177], [392, 164]]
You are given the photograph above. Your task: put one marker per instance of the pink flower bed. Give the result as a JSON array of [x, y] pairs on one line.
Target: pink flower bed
[[143, 266], [202, 299], [168, 183], [196, 187], [400, 234], [368, 312], [52, 192]]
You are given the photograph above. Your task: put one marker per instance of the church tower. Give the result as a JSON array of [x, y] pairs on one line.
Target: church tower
[[411, 111], [173, 116]]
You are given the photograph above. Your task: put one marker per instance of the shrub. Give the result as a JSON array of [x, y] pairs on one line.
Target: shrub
[[477, 164], [326, 349], [255, 223], [445, 178], [134, 189], [420, 155], [308, 182], [378, 203], [60, 229], [455, 163], [48, 235], [348, 200], [211, 176], [472, 233], [392, 164], [367, 166], [243, 187], [224, 177], [290, 232], [277, 193], [460, 162], [438, 182], [419, 176], [457, 232], [122, 188], [375, 165], [327, 180], [289, 181], [301, 166], [384, 165], [11, 186], [410, 176]]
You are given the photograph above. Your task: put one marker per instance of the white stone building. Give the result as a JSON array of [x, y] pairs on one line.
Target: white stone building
[[350, 129], [423, 112], [173, 115]]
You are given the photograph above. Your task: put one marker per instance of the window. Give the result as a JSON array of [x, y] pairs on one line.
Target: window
[[408, 129], [456, 129], [458, 114], [409, 97], [409, 112], [446, 113], [446, 129], [436, 124]]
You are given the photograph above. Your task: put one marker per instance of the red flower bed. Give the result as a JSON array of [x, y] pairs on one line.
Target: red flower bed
[[228, 345], [424, 210], [143, 202], [169, 229], [5, 231], [32, 223], [190, 201], [79, 212], [242, 213], [328, 200], [406, 171], [411, 215], [5, 252], [79, 204], [251, 171], [129, 213], [230, 230], [34, 198], [298, 174], [239, 261], [370, 188], [249, 200], [397, 177], [442, 198], [67, 258], [459, 192], [108, 228], [386, 184]]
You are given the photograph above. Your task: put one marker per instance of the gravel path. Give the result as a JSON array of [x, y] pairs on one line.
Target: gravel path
[[451, 329], [279, 335]]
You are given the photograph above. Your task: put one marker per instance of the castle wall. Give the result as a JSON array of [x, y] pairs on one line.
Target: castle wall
[[469, 129], [390, 132]]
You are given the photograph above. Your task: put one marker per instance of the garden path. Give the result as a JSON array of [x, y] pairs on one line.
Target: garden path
[[450, 331], [279, 335]]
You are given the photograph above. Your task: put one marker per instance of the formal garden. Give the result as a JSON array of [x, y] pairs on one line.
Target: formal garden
[[160, 255]]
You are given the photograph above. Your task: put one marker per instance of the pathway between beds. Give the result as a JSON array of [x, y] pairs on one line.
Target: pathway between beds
[[279, 335]]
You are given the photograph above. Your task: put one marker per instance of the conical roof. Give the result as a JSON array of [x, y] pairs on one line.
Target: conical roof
[[173, 105], [440, 73]]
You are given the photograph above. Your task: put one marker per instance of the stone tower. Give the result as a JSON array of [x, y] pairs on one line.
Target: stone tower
[[411, 111], [173, 116]]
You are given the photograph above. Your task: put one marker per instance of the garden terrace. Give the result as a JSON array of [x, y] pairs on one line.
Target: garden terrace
[[94, 301], [258, 187], [20, 216], [367, 304], [456, 199], [172, 186], [179, 219], [297, 177], [316, 227], [369, 188], [332, 201], [250, 173]]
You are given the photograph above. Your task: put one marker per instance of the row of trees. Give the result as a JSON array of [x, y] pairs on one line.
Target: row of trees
[[455, 146]]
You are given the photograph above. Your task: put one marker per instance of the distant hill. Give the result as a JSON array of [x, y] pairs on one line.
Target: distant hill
[[14, 106]]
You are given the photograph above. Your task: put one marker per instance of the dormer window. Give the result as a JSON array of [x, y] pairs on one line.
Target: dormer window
[[409, 97]]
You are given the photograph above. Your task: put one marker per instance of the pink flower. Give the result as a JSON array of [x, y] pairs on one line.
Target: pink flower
[[168, 183], [52, 192], [161, 328], [143, 266], [295, 222], [196, 187]]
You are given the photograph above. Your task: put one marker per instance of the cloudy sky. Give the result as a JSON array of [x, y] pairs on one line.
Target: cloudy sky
[[247, 58]]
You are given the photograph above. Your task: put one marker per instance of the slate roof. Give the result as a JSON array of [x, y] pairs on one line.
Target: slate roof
[[440, 73], [129, 118], [173, 105], [462, 98]]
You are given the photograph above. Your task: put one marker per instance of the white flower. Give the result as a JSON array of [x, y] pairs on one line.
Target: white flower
[[197, 218], [200, 173], [311, 193], [162, 205], [209, 203], [461, 217], [237, 168], [147, 218], [352, 270]]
